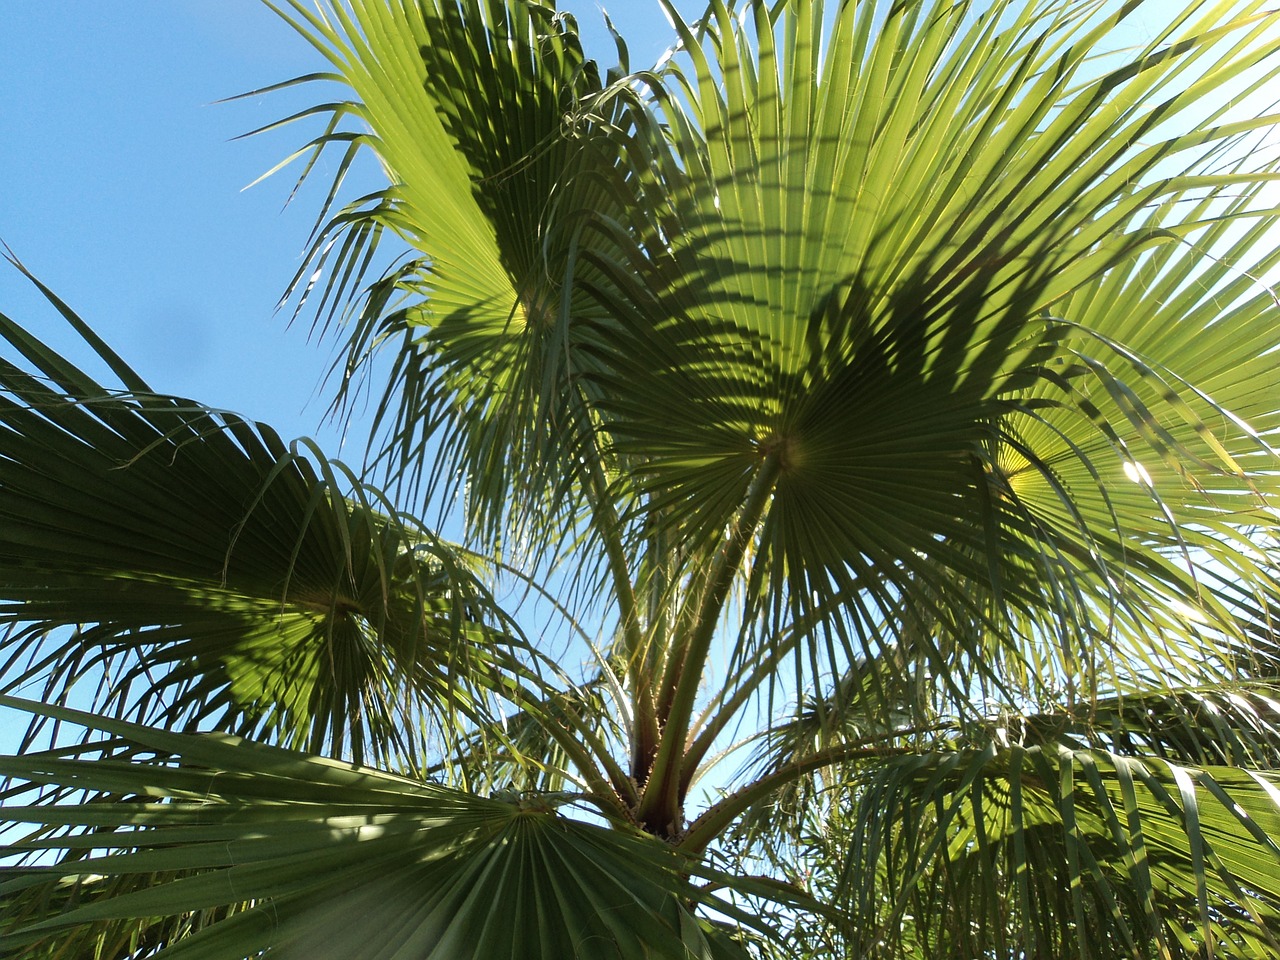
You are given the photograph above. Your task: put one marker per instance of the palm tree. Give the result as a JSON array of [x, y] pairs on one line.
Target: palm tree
[[861, 427]]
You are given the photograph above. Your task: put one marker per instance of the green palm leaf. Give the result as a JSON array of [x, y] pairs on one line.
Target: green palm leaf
[[866, 287], [1022, 848], [308, 857], [498, 137], [193, 568]]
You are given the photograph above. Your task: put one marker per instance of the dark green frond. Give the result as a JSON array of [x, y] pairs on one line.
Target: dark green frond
[[304, 857], [1034, 849], [185, 565]]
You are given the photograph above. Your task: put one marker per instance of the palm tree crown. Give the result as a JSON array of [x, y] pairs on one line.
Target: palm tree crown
[[862, 423]]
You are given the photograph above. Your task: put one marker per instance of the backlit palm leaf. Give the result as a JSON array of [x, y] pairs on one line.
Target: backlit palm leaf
[[494, 129], [869, 291]]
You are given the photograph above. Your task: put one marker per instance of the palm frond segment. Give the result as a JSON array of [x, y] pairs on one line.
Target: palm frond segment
[[903, 231], [187, 565], [499, 140], [1039, 848], [273, 850]]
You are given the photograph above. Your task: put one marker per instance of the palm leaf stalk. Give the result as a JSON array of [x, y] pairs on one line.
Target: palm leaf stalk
[[880, 396]]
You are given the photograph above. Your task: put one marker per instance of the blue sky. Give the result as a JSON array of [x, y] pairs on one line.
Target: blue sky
[[121, 188]]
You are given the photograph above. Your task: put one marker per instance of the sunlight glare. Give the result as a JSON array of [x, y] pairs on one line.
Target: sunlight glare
[[1137, 472]]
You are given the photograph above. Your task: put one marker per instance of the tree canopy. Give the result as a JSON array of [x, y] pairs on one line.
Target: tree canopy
[[860, 428]]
